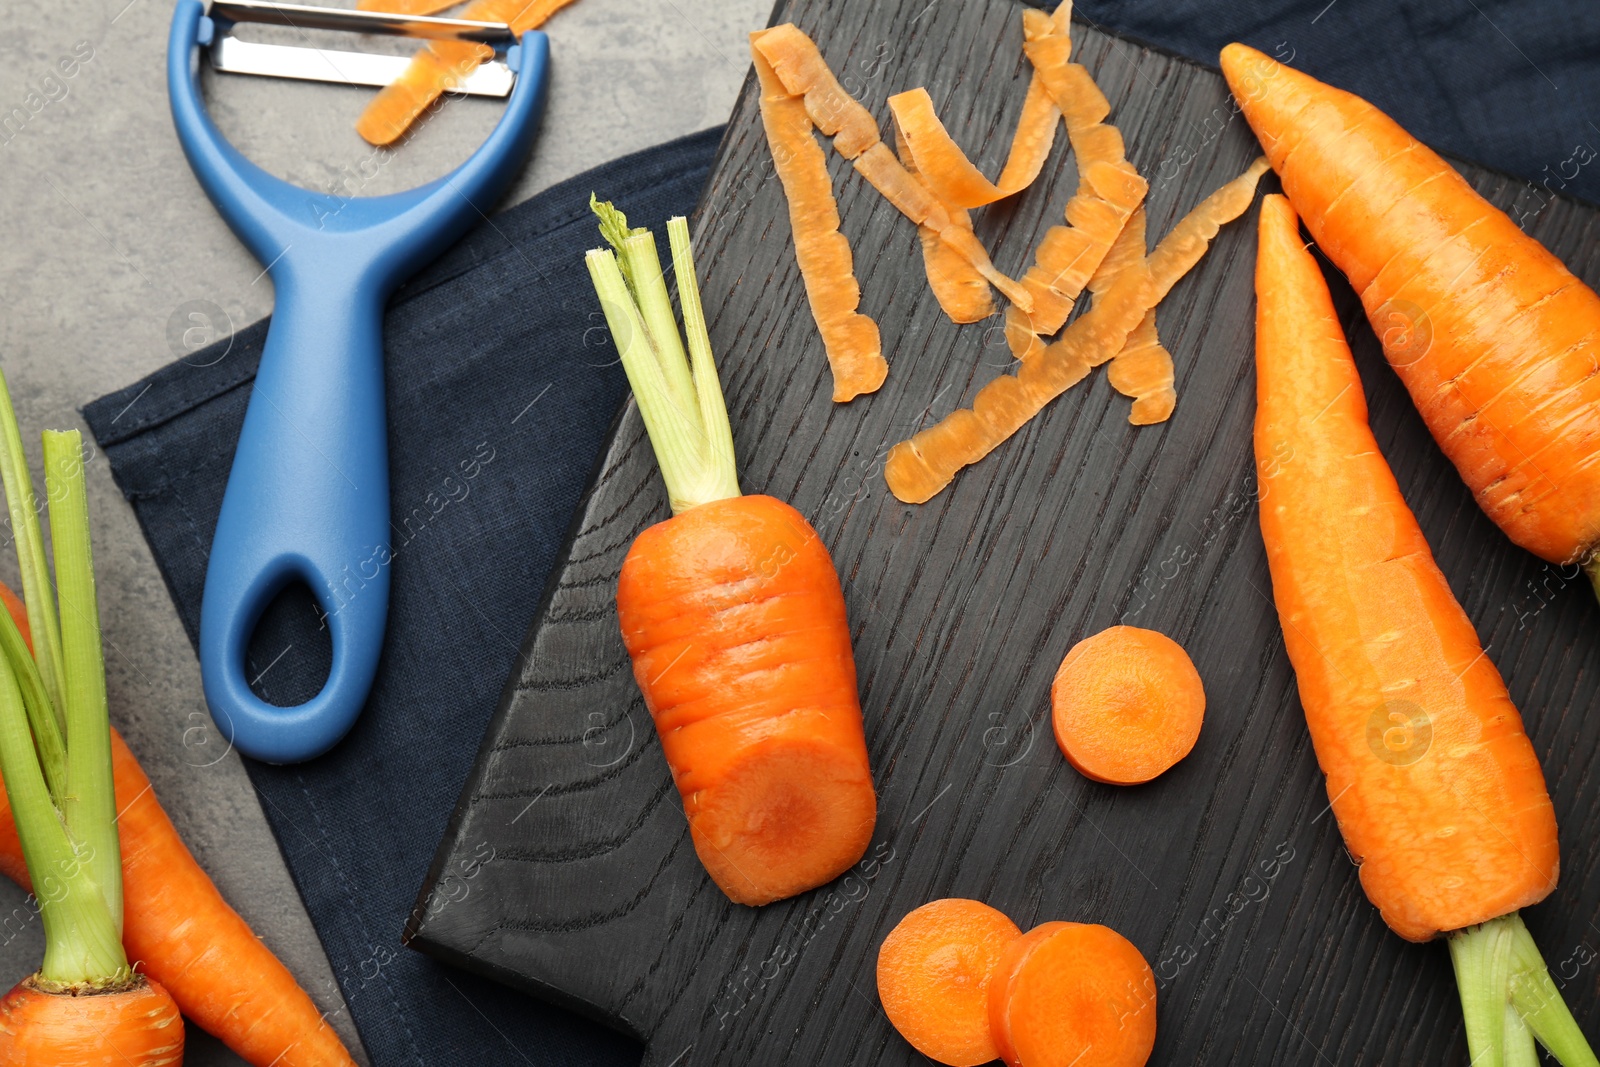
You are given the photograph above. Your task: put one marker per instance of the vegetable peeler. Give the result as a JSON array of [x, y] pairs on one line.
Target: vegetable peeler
[[308, 494]]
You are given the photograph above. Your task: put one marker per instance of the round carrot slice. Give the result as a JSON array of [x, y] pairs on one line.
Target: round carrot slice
[[1072, 995], [1127, 704], [933, 978]]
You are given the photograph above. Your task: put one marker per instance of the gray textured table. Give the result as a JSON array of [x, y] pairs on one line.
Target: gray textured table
[[105, 237]]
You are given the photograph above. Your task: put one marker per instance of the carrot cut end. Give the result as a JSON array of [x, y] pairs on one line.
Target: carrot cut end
[[933, 977], [1127, 704], [787, 817]]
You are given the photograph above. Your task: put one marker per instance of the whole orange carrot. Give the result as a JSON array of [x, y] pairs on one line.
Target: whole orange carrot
[[1435, 787], [732, 614], [1494, 337]]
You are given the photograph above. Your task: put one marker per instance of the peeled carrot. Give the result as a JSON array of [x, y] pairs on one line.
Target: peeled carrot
[[1430, 776], [919, 468], [933, 978], [732, 613], [443, 65], [1073, 995], [850, 339], [1127, 704], [1494, 337], [136, 1027]]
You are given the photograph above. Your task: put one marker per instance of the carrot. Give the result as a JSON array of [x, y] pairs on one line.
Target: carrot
[[732, 613], [919, 468], [1435, 787], [1143, 370], [174, 920], [1127, 705], [85, 1006], [850, 339], [933, 978], [443, 65], [1073, 995], [1494, 337], [138, 1025], [799, 66]]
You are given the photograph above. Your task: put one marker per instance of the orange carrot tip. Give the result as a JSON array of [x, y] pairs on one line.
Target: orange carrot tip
[[1073, 995], [933, 978], [1127, 704]]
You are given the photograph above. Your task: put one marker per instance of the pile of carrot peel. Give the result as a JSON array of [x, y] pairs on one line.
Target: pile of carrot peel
[[1100, 248]]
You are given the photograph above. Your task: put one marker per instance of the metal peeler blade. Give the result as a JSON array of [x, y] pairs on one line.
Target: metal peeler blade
[[234, 55]]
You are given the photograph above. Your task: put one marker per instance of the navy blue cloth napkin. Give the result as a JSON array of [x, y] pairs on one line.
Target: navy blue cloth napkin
[[1511, 84], [501, 391]]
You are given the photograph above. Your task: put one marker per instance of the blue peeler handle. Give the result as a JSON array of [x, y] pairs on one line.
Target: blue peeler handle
[[308, 496]]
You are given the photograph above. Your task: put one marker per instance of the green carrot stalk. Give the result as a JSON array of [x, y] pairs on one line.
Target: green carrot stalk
[[1508, 998], [59, 781], [679, 395]]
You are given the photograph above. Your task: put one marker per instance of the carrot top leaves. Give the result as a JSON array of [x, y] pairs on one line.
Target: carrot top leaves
[[678, 392]]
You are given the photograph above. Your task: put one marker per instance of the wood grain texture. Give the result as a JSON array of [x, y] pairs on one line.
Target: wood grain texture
[[567, 870]]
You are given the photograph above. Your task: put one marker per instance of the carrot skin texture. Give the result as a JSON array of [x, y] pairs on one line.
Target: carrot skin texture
[[1496, 340], [180, 931], [1448, 814], [139, 1027], [735, 622]]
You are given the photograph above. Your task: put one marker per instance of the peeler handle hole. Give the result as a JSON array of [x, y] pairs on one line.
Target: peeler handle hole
[[290, 652]]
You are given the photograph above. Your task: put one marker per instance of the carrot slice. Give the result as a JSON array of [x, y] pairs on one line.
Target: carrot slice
[[918, 468], [962, 292], [798, 64], [1073, 995], [442, 65], [933, 978], [851, 339], [1127, 704]]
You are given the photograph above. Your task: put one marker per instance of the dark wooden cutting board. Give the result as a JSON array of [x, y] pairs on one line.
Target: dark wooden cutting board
[[567, 870]]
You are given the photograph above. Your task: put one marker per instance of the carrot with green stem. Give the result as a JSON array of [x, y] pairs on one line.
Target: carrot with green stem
[[731, 611], [1434, 784], [85, 1005], [1496, 340], [175, 924]]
